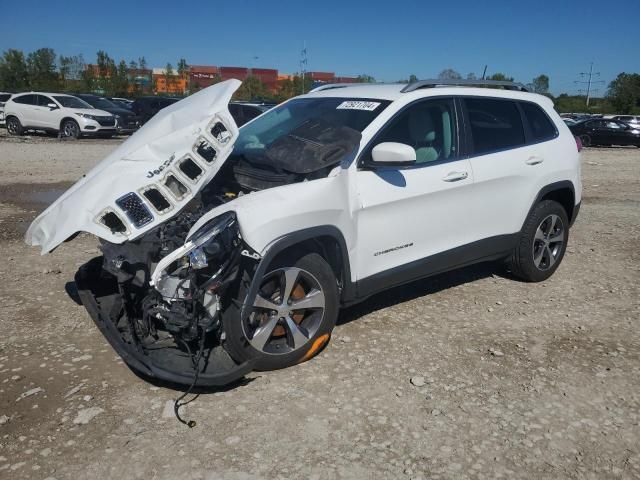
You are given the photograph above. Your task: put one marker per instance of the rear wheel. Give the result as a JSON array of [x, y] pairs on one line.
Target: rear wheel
[[586, 140], [292, 315], [14, 127], [70, 128], [542, 243]]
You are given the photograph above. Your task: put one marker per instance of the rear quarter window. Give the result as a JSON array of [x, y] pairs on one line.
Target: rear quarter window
[[540, 126], [495, 124], [25, 99]]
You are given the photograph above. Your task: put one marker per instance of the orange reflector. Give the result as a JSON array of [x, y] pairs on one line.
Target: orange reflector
[[317, 345]]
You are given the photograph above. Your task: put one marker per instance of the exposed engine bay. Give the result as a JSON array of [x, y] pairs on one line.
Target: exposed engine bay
[[176, 275], [160, 298]]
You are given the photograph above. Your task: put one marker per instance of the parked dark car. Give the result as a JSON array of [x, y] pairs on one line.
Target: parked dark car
[[147, 107], [121, 102], [244, 112], [127, 122], [605, 132]]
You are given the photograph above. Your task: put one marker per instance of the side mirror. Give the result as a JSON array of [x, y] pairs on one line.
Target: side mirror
[[393, 154], [52, 106]]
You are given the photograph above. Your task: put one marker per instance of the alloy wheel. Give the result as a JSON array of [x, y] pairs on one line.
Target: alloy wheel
[[287, 311], [548, 242], [12, 126], [586, 140], [71, 129]]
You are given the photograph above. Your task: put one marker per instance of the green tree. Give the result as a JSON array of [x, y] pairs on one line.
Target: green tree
[[471, 76], [41, 68], [364, 78], [540, 84], [500, 77], [71, 70], [624, 93], [449, 74], [121, 84], [13, 71], [251, 89]]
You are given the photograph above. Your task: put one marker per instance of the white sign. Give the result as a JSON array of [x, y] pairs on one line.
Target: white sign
[[358, 105]]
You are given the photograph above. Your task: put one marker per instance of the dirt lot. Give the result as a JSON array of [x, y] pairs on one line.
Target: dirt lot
[[558, 395]]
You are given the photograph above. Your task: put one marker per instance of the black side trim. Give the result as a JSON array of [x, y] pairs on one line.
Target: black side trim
[[483, 250], [576, 210], [348, 290], [548, 189]]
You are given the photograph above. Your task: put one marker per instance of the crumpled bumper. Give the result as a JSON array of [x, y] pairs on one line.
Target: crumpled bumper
[[217, 371]]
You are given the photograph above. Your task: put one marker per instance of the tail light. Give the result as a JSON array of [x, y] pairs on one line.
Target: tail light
[[578, 143]]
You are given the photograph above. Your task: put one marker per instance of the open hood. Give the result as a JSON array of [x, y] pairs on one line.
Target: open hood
[[150, 177]]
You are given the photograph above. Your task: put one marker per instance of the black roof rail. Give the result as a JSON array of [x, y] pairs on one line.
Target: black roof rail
[[463, 83], [330, 86]]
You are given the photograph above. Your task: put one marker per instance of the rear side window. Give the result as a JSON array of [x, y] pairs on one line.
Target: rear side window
[[25, 99], [541, 127], [4, 97], [495, 124]]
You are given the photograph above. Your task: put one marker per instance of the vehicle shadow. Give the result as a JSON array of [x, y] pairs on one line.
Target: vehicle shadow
[[421, 288]]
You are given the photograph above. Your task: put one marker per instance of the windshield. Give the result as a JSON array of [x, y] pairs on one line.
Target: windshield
[[71, 102], [98, 102], [257, 136]]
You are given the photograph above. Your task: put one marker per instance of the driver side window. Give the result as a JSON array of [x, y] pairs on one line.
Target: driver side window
[[428, 127]]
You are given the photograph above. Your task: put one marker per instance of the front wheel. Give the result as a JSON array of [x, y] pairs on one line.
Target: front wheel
[[70, 128], [542, 243], [586, 140], [14, 127], [292, 315]]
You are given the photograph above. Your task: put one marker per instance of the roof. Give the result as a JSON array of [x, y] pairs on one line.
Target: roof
[[51, 94], [394, 91]]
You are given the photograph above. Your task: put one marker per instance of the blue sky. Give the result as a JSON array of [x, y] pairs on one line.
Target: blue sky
[[388, 40]]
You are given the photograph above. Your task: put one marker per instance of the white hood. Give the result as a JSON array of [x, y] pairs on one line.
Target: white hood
[[149, 162]]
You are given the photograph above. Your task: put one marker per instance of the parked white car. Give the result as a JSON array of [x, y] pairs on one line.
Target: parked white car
[[633, 120], [228, 250], [56, 112], [4, 96]]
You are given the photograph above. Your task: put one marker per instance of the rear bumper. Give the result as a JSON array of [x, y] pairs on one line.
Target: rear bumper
[[91, 288]]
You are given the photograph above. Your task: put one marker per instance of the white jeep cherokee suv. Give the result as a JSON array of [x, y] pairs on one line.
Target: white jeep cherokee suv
[[56, 112], [228, 250]]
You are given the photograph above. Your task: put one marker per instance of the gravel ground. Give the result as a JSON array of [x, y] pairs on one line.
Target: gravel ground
[[466, 375]]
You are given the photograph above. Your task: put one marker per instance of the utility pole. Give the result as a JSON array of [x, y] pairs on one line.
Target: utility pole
[[589, 81], [303, 63]]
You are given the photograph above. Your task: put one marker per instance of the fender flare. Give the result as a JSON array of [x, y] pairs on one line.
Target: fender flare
[[551, 188], [291, 239]]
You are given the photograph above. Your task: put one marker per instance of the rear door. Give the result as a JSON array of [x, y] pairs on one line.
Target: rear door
[[508, 167], [24, 109]]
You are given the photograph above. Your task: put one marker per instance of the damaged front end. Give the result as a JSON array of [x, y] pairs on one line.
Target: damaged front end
[[142, 201], [158, 299]]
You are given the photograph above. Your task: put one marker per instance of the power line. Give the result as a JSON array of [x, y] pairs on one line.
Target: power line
[[589, 81], [303, 63]]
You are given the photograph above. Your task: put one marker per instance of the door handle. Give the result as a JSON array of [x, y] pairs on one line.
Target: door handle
[[534, 161], [455, 176]]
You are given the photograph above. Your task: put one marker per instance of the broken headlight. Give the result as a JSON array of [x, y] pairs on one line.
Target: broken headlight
[[209, 240]]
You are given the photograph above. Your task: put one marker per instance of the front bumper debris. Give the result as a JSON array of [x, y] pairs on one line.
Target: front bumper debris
[[216, 369]]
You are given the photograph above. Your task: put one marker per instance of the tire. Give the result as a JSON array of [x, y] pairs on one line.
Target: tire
[[542, 243], [276, 334], [70, 128], [586, 140], [14, 127]]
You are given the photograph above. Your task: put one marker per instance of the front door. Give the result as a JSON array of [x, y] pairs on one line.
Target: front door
[[407, 214]]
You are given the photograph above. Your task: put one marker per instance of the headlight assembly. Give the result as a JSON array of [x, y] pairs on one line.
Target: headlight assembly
[[206, 242], [86, 115]]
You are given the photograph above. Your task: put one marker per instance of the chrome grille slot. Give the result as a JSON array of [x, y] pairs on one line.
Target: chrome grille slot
[[136, 211]]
